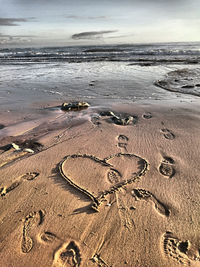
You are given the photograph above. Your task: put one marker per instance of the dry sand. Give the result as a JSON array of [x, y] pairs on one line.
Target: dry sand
[[101, 194]]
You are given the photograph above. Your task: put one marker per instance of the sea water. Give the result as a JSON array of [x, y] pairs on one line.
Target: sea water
[[97, 74]]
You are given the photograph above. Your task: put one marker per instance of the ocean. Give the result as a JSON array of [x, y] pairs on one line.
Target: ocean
[[136, 54], [97, 74]]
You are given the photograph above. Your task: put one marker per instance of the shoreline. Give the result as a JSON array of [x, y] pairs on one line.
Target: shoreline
[[51, 113]]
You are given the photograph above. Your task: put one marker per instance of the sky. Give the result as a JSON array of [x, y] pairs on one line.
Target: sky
[[37, 23]]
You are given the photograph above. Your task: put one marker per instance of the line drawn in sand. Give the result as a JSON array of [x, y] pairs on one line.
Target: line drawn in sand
[[68, 255], [29, 176], [116, 177], [182, 252], [33, 219]]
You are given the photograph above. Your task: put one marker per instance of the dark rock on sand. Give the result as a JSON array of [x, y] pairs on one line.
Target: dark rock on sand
[[6, 147], [119, 119], [74, 106], [2, 126], [22, 145], [162, 83], [188, 86], [29, 144], [147, 64], [106, 113], [124, 120]]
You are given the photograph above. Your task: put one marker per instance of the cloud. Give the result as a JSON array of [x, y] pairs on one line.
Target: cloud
[[90, 35], [13, 21], [96, 1], [120, 36], [97, 17], [85, 17], [13, 36], [15, 39]]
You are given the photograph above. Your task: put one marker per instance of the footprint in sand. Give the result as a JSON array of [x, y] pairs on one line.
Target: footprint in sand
[[67, 255], [114, 176], [166, 167], [168, 134], [95, 119], [33, 219], [47, 237], [27, 176], [122, 141], [147, 115], [181, 251], [141, 194]]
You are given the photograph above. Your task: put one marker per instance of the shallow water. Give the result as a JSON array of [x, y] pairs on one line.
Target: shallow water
[[99, 83], [99, 75]]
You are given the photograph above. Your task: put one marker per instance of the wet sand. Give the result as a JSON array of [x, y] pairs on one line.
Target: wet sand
[[185, 81], [77, 189]]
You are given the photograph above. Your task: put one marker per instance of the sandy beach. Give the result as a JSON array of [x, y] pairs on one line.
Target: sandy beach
[[99, 133], [77, 189]]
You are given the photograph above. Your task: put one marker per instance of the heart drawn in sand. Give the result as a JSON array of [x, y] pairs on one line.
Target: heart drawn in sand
[[99, 177]]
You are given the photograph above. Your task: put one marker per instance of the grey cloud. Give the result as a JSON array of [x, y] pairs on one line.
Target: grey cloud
[[119, 36], [15, 39], [85, 17], [95, 1], [98, 17], [90, 35], [16, 36], [13, 21], [106, 3], [73, 17]]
